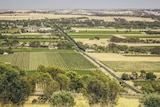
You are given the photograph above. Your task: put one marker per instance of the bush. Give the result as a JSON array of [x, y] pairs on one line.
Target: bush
[[62, 99], [150, 100]]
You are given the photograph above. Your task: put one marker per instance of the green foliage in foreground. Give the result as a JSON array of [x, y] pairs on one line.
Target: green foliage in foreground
[[98, 88], [15, 86], [62, 99], [150, 100]]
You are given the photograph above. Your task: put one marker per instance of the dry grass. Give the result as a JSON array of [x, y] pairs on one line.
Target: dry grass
[[82, 102], [101, 42], [24, 16], [118, 57]]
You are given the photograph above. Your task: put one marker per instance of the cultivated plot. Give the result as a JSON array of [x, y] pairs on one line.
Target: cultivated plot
[[31, 60]]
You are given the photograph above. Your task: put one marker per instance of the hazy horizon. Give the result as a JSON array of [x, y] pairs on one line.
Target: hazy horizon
[[79, 4]]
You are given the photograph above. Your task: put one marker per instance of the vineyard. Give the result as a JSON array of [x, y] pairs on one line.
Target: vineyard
[[31, 60]]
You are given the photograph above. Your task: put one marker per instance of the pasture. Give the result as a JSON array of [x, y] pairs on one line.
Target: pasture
[[31, 60], [130, 66]]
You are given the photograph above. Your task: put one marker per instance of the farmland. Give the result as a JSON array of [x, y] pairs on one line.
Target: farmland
[[121, 63], [31, 60], [96, 33], [130, 66]]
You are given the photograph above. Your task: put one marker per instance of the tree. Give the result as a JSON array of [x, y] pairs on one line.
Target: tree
[[63, 81], [150, 100], [76, 82], [134, 75], [102, 90], [62, 99], [150, 76], [14, 86], [143, 74], [125, 76], [112, 46], [48, 85]]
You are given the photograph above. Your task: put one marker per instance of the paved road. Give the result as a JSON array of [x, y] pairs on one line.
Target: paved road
[[109, 71]]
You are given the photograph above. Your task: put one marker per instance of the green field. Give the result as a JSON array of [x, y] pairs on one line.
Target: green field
[[40, 50], [130, 66], [31, 60], [101, 34], [90, 35], [105, 32], [10, 30]]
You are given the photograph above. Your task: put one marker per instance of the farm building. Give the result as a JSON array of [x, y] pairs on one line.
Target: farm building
[[45, 29], [89, 50]]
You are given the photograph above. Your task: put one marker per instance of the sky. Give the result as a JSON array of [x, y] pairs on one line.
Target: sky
[[79, 4]]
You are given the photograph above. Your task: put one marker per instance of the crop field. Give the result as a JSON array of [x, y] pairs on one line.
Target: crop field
[[31, 60], [104, 32], [10, 30], [130, 66], [100, 34], [90, 35]]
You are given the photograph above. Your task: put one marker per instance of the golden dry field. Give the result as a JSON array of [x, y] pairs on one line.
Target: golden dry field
[[101, 42], [118, 57], [32, 16], [105, 42], [82, 102]]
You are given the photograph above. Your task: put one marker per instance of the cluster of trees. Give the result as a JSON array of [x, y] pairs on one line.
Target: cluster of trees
[[59, 44], [10, 42], [15, 86], [98, 88], [133, 50], [9, 51], [152, 32], [143, 75], [132, 40], [112, 47], [150, 100]]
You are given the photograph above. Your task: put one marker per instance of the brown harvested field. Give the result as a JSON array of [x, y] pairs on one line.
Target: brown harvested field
[[110, 18], [101, 42], [24, 16], [105, 42], [118, 57], [34, 16]]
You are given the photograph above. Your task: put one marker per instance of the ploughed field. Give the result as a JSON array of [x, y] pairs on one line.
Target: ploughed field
[[31, 60]]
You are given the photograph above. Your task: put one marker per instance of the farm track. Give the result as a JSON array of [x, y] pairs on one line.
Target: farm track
[[109, 71]]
